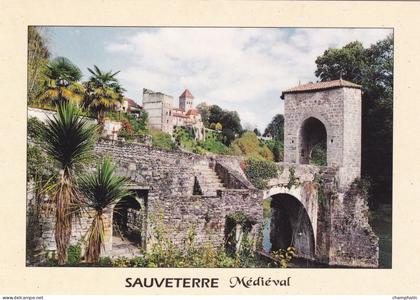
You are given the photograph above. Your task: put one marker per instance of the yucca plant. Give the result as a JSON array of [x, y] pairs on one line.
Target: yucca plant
[[100, 190], [103, 93], [61, 84], [69, 140]]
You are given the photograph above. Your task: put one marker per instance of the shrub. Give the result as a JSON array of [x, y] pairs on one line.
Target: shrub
[[363, 184], [40, 167], [277, 148], [293, 180], [162, 140], [126, 125], [214, 146], [266, 153], [126, 130], [105, 261], [185, 138], [138, 262], [121, 262], [283, 257], [248, 143], [34, 129], [234, 150], [74, 254], [319, 155], [260, 171], [213, 135], [230, 229]]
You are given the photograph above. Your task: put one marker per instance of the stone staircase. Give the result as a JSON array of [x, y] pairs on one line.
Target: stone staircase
[[207, 179]]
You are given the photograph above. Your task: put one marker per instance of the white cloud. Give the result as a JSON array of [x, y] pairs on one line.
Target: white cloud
[[239, 69]]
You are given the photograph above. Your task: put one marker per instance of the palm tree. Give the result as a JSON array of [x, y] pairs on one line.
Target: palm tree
[[100, 190], [103, 93], [61, 84], [69, 141]]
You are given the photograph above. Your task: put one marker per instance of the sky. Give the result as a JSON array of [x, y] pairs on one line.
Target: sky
[[242, 69]]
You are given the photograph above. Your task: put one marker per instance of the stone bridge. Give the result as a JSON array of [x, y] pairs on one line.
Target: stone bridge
[[322, 211], [324, 220], [180, 191]]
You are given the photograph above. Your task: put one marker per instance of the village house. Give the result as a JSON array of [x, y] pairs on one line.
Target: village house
[[165, 117]]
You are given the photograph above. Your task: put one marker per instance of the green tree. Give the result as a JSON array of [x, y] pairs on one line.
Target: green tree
[[230, 121], [103, 93], [215, 114], [68, 139], [162, 140], [38, 55], [204, 110], [277, 148], [348, 62], [373, 69], [248, 144], [100, 190], [61, 84], [257, 132], [276, 128]]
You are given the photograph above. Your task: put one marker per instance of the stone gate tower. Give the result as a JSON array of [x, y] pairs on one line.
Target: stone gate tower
[[326, 115]]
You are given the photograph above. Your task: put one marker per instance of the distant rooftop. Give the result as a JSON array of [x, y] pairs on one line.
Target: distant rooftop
[[186, 94], [193, 112], [132, 103], [318, 86]]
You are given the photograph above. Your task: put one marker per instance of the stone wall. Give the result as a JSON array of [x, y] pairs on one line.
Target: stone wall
[[338, 216], [352, 241], [169, 178]]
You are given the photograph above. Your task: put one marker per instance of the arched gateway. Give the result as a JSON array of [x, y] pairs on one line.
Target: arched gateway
[[290, 226], [129, 223], [313, 142]]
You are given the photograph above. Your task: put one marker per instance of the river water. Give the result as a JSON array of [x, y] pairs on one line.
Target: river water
[[381, 222]]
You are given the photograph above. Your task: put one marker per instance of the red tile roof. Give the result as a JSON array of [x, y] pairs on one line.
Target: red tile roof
[[192, 111], [323, 85], [179, 115], [186, 94], [132, 103]]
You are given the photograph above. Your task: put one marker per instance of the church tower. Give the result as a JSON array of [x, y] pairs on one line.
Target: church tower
[[186, 101]]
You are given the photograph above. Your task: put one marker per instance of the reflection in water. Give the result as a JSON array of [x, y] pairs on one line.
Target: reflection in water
[[266, 234], [296, 262]]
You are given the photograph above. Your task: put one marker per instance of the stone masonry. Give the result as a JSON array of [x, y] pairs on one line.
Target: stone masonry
[[169, 177], [325, 207], [337, 105]]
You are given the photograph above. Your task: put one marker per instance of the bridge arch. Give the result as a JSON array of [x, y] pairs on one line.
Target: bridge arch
[[291, 225], [313, 136]]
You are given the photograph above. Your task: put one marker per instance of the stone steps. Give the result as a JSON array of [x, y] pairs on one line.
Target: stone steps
[[208, 179]]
